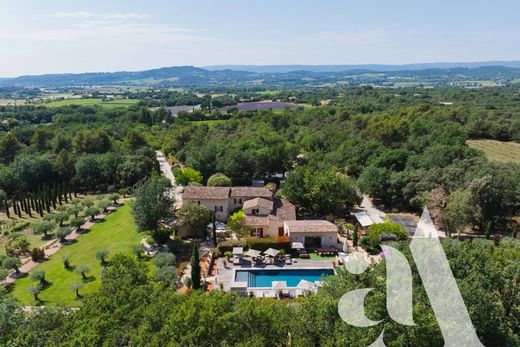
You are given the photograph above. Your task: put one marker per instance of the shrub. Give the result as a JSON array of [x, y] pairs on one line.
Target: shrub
[[386, 228], [92, 212], [44, 228], [39, 275], [20, 226], [164, 259], [12, 263], [227, 246], [160, 236], [262, 244], [219, 180], [37, 254], [62, 233], [175, 245], [66, 262], [82, 270], [77, 222], [102, 255]]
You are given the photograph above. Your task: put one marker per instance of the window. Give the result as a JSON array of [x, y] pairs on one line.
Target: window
[[198, 202], [255, 211], [219, 208], [257, 232]]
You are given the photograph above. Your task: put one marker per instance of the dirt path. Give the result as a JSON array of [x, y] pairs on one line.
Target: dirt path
[[166, 171], [54, 246]]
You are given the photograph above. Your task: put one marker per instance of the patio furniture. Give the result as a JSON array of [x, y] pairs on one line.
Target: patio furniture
[[270, 294], [327, 251], [304, 255], [288, 260]]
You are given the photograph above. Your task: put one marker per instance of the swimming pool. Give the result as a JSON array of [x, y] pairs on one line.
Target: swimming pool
[[265, 278]]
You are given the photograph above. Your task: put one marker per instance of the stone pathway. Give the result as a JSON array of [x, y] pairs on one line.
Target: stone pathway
[[54, 246]]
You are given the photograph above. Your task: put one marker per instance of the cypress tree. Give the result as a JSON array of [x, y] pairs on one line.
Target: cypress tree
[[64, 190], [28, 205], [7, 209], [195, 266], [39, 206], [214, 230], [53, 197], [19, 209], [47, 200], [489, 229], [59, 194], [355, 236]]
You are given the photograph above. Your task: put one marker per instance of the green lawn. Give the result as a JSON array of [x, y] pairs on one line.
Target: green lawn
[[117, 234], [504, 152], [209, 123], [93, 101], [315, 256]]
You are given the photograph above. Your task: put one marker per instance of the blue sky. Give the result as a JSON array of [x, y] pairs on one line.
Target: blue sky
[[77, 36]]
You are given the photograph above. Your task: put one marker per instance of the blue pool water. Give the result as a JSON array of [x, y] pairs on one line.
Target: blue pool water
[[265, 278]]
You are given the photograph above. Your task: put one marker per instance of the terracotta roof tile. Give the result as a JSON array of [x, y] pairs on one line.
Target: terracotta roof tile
[[251, 191], [206, 193], [258, 202], [314, 226]]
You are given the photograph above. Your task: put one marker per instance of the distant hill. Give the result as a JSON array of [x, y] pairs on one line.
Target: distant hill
[[282, 76], [371, 67]]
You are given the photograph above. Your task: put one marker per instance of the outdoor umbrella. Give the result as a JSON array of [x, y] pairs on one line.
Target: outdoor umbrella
[[253, 253], [279, 285], [271, 252], [306, 285], [297, 245]]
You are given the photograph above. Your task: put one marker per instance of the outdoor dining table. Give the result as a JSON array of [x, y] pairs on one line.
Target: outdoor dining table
[[327, 251]]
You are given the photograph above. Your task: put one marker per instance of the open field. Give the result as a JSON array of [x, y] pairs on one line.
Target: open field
[[504, 152], [116, 234], [262, 105], [92, 102]]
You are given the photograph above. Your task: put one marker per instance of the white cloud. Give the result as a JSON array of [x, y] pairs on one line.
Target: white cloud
[[104, 16]]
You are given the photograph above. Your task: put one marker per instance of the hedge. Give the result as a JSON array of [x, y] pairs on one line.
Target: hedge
[[227, 246], [263, 244]]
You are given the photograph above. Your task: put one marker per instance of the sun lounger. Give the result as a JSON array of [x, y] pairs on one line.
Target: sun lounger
[[270, 294]]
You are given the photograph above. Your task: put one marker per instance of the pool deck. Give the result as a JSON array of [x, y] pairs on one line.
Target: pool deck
[[225, 275]]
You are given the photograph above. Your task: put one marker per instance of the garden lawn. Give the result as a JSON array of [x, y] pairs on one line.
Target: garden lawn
[[498, 151], [117, 234]]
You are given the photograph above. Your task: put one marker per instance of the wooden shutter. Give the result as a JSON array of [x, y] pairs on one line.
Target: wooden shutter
[[261, 232]]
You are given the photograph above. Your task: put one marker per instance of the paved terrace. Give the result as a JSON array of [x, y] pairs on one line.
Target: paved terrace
[[225, 274]]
